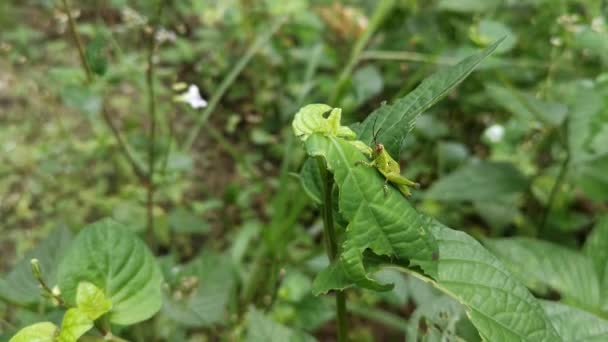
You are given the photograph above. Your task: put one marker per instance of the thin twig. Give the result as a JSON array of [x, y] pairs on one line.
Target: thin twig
[[560, 179], [152, 122], [122, 144]]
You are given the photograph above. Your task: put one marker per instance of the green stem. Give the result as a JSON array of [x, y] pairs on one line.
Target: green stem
[[331, 244], [78, 41], [122, 144], [382, 9], [257, 44], [151, 186], [560, 179]]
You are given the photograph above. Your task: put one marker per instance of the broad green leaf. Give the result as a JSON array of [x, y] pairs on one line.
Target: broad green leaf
[[541, 264], [20, 286], [387, 224], [333, 277], [367, 82], [91, 301], [398, 119], [587, 104], [596, 248], [112, 258], [527, 106], [576, 325], [483, 181], [320, 118], [75, 324], [39, 332], [592, 178], [261, 328], [499, 306], [201, 297], [182, 220]]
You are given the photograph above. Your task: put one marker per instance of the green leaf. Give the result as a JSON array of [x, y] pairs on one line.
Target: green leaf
[[368, 83], [483, 181], [576, 325], [541, 264], [466, 6], [201, 298], [592, 178], [596, 248], [39, 332], [310, 178], [320, 118], [527, 106], [20, 286], [91, 301], [94, 55], [499, 306], [398, 119], [384, 224], [112, 258], [75, 324], [263, 329], [332, 277], [182, 220]]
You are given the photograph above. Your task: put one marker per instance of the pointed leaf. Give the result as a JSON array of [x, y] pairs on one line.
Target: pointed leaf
[[398, 119], [75, 324], [39, 332], [206, 302], [485, 181], [112, 258], [91, 301], [542, 264], [499, 306], [20, 286], [596, 248], [575, 325]]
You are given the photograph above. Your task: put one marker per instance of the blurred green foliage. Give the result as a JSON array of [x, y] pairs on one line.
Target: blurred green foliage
[[517, 156]]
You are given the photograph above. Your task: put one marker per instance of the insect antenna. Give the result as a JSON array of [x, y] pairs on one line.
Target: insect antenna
[[374, 132]]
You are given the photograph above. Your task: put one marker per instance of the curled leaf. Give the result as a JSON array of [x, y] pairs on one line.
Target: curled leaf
[[320, 118]]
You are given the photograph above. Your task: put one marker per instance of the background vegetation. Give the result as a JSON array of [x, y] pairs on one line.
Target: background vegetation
[[517, 156]]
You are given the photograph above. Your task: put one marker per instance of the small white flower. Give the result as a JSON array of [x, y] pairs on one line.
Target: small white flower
[[192, 97], [556, 41], [164, 35], [597, 24], [494, 133]]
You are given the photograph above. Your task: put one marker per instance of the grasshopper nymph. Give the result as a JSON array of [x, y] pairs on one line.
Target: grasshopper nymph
[[388, 167]]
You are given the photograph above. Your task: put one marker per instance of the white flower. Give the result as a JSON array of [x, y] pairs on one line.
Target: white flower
[[164, 35], [494, 133], [192, 97]]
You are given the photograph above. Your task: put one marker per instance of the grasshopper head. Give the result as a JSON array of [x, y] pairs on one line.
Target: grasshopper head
[[378, 149]]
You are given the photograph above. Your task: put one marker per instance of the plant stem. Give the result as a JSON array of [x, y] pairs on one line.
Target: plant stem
[[76, 36], [122, 144], [331, 244], [230, 78], [559, 181], [152, 134]]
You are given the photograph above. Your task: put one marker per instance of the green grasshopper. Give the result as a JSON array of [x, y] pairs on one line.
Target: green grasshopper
[[388, 167]]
